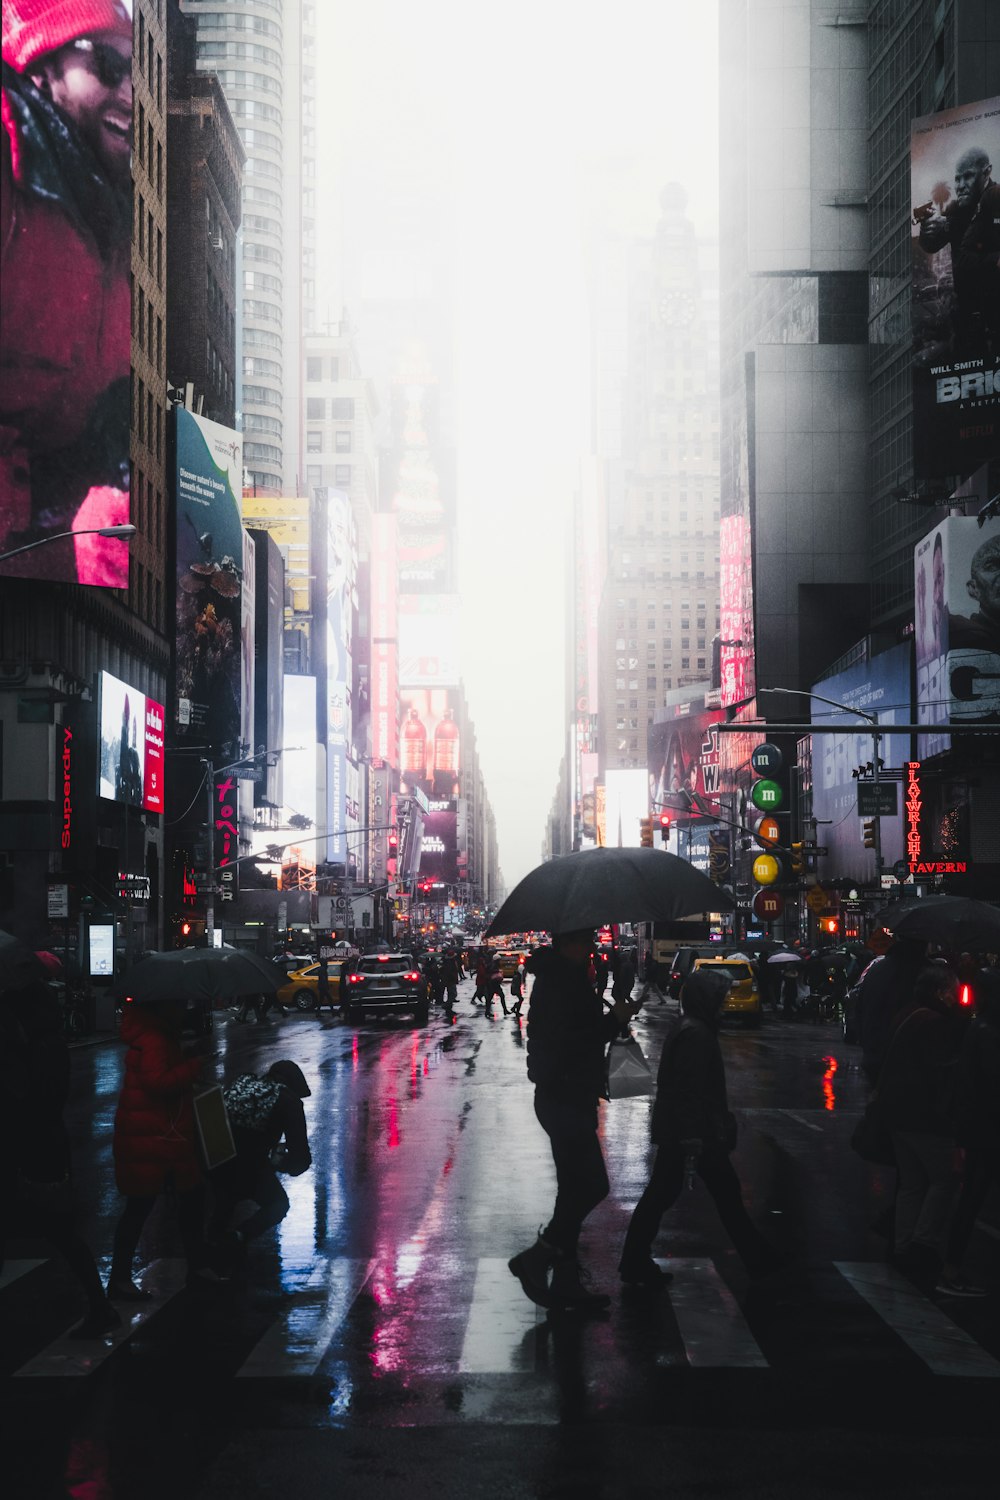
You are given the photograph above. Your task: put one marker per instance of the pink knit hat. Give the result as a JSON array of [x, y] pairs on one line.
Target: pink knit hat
[[31, 28]]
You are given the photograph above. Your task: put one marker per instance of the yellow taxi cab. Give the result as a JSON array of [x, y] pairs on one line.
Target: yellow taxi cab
[[510, 959], [743, 998], [301, 987]]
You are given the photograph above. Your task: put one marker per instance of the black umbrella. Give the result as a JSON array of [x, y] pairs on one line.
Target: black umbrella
[[18, 963], [955, 922], [595, 886], [199, 974]]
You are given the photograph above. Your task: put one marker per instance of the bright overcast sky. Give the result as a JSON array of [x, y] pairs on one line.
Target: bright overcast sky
[[521, 127]]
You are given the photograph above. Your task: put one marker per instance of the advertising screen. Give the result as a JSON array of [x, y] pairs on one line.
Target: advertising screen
[[101, 945], [429, 742], [957, 593], [626, 802], [736, 609], [955, 237], [439, 844], [65, 296], [209, 483], [683, 755], [429, 634], [420, 485], [131, 745], [880, 686]]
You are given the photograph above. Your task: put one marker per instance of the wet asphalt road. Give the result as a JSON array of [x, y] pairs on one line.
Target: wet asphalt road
[[378, 1345]]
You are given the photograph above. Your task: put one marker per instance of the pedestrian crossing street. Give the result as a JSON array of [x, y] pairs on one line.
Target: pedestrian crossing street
[[340, 1310]]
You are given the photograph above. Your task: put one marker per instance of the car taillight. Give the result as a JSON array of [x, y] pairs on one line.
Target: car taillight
[[965, 994], [413, 975], [355, 979]]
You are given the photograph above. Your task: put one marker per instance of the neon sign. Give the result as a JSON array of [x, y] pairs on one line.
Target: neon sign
[[67, 767], [914, 804]]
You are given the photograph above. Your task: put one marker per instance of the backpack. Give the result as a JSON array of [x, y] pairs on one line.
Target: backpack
[[250, 1100]]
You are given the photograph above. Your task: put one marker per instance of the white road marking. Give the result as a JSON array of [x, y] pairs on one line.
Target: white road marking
[[944, 1348], [713, 1328], [71, 1357], [500, 1319], [799, 1120], [298, 1341], [15, 1269]]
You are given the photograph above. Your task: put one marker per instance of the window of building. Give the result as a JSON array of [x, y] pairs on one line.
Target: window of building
[[650, 683], [685, 663], [343, 408], [342, 440], [314, 440], [315, 408], [701, 661], [314, 368], [314, 475], [342, 474]]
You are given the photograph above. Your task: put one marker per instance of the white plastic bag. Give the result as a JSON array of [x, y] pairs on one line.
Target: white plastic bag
[[628, 1072]]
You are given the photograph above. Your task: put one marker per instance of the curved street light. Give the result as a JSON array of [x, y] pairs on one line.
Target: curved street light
[[57, 536]]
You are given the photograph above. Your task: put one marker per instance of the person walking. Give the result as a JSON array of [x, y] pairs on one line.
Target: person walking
[[624, 980], [324, 995], [450, 971], [693, 1131], [482, 977], [263, 1112], [517, 989], [915, 1088], [977, 1119], [155, 1149], [568, 1033], [494, 988], [886, 987]]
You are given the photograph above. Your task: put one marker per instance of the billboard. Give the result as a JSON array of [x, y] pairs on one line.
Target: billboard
[[429, 636], [738, 678], [880, 686], [957, 627], [420, 483], [337, 565], [131, 745], [269, 594], [954, 238], [429, 753], [626, 795], [65, 293], [209, 659], [683, 755], [385, 651], [439, 843]]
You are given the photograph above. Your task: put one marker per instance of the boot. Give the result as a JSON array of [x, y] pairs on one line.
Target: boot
[[569, 1290], [531, 1268]]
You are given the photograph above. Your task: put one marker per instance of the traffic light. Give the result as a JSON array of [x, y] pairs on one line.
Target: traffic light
[[664, 827], [869, 831], [646, 833], [393, 842], [829, 925], [798, 858]]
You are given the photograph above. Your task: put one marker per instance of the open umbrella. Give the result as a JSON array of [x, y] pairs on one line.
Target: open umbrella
[[785, 958], [199, 974], [18, 964], [594, 886], [955, 922]]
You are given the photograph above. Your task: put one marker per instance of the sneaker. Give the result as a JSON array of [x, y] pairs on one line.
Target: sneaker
[[644, 1273], [570, 1290], [531, 1268], [957, 1286]]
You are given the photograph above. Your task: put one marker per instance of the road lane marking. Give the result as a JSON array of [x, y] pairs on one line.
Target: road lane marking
[[944, 1348], [67, 1356], [799, 1120], [297, 1343], [500, 1321], [15, 1269], [713, 1328]]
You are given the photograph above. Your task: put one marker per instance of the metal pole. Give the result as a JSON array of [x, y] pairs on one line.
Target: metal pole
[[878, 816]]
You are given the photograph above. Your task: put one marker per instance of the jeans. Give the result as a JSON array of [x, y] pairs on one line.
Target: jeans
[[719, 1176], [190, 1222], [235, 1182], [581, 1176], [928, 1182]]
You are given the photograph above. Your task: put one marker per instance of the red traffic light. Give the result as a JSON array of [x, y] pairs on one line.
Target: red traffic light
[[830, 925], [965, 994], [394, 840], [665, 821]]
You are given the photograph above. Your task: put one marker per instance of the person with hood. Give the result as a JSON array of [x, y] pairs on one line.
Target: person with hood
[[36, 1178], [65, 223], [517, 988], [624, 980], [450, 973], [494, 988], [155, 1145], [977, 1119], [693, 1130], [884, 990], [915, 1091], [269, 1133], [568, 1034]]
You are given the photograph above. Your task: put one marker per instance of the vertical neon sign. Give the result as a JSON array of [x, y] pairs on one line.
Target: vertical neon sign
[[914, 804]]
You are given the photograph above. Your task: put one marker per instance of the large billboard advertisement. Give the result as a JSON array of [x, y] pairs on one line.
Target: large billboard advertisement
[[880, 686], [429, 754], [420, 485], [385, 649], [131, 745], [738, 678], [209, 483], [439, 844], [683, 756], [957, 592], [429, 636], [955, 239], [65, 296]]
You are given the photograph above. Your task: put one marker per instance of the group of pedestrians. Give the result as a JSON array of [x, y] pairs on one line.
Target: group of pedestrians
[[936, 1078]]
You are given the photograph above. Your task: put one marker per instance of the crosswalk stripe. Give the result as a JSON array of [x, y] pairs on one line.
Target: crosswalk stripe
[[713, 1329], [799, 1120], [67, 1356], [15, 1269], [945, 1348], [297, 1342], [499, 1320]]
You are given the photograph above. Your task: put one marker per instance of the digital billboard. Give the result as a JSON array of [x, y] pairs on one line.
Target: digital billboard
[[420, 483], [131, 745], [429, 636], [429, 748], [439, 843], [880, 686], [738, 680], [683, 755], [957, 628], [209, 657], [955, 238], [337, 564], [65, 293]]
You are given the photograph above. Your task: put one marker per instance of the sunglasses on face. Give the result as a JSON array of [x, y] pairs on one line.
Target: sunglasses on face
[[107, 65]]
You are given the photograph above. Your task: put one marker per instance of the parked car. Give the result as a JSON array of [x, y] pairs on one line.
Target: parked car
[[743, 998], [302, 986], [387, 983]]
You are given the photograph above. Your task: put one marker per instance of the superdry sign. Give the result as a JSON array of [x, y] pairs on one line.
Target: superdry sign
[[74, 830], [67, 788]]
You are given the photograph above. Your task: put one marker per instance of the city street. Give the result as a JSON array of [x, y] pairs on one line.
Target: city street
[[379, 1346]]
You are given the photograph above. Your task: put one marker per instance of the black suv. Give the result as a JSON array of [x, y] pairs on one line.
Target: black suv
[[386, 982]]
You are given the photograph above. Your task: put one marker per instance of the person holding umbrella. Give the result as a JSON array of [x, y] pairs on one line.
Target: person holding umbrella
[[568, 1033]]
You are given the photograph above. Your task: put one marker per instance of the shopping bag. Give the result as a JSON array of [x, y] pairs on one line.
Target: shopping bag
[[628, 1072], [872, 1138], [214, 1133]]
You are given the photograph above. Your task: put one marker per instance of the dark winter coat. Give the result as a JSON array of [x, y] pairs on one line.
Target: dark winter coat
[[262, 1111], [917, 1080], [568, 1031], [886, 988], [977, 1088], [691, 1102], [155, 1133]]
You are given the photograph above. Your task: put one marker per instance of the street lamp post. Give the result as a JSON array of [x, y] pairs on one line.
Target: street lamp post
[[58, 536]]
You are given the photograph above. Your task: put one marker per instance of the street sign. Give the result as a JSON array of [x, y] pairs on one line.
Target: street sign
[[767, 759], [766, 869], [58, 901], [768, 904], [768, 832], [880, 801], [766, 796], [817, 899], [250, 773]]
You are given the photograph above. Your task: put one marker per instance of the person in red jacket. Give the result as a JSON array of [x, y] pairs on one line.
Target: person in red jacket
[[155, 1147], [65, 302]]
